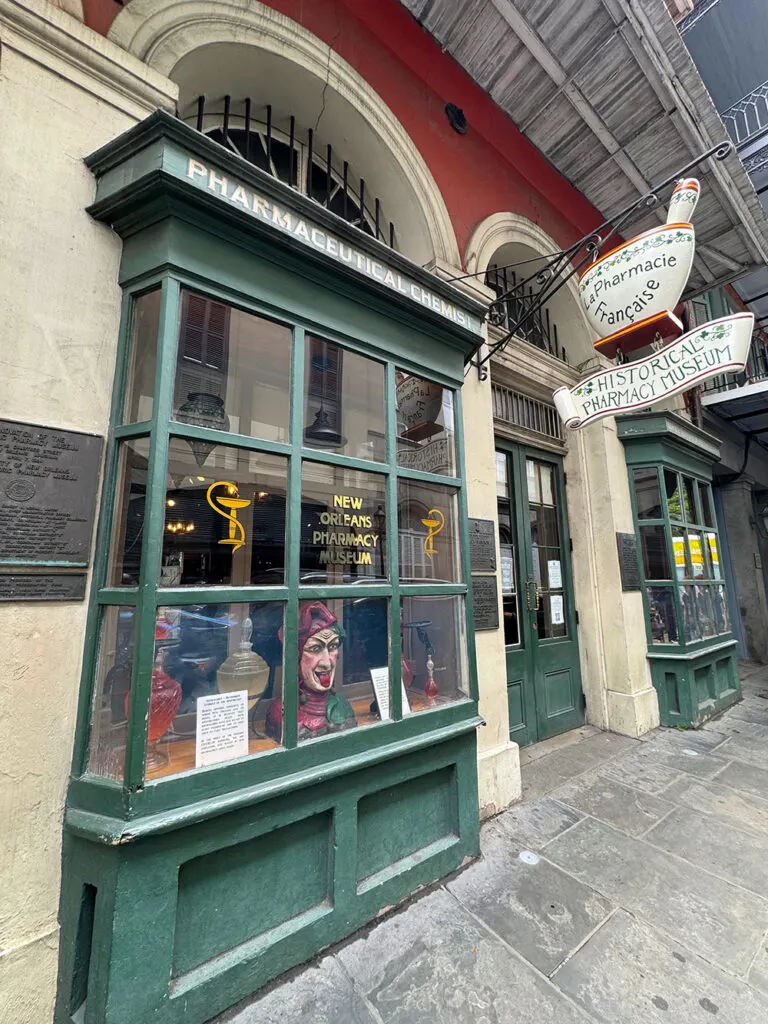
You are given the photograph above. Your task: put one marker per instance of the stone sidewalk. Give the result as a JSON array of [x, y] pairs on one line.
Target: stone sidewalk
[[629, 887]]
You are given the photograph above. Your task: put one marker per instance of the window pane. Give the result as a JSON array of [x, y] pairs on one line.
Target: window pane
[[114, 666], [343, 525], [425, 432], [232, 370], [428, 524], [689, 499], [511, 620], [705, 493], [434, 645], [696, 555], [224, 520], [653, 540], [502, 480], [661, 614], [230, 654], [547, 484], [343, 401], [720, 609], [647, 493], [672, 489], [344, 677], [128, 525], [140, 385], [532, 478], [678, 545], [714, 555]]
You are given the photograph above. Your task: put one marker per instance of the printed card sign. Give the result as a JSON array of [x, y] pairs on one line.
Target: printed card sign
[[222, 728], [719, 346], [380, 680]]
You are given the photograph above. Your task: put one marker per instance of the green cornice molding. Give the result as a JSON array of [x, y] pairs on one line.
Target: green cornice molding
[[669, 430], [143, 177]]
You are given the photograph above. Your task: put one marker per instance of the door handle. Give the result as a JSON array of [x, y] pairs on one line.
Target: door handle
[[538, 598]]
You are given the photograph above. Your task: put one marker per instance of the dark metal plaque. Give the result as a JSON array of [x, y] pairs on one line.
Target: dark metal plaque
[[33, 586], [482, 545], [48, 482], [485, 602], [630, 570]]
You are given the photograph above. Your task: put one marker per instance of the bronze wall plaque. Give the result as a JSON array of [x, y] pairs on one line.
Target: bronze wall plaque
[[482, 545], [628, 564], [485, 602], [48, 485], [34, 586]]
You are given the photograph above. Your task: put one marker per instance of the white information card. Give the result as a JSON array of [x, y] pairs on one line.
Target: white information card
[[222, 727], [380, 680], [556, 609], [555, 575]]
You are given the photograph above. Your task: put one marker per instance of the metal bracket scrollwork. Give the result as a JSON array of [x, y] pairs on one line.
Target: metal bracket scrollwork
[[563, 265]]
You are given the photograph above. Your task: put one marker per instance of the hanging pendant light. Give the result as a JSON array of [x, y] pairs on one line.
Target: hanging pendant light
[[203, 409], [322, 433]]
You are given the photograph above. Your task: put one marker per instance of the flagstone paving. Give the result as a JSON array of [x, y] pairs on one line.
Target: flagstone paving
[[630, 886]]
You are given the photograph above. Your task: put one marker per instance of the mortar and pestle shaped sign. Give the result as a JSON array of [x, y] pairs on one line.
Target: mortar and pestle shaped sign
[[630, 293]]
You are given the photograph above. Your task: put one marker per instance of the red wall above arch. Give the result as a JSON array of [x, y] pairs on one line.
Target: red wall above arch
[[491, 169]]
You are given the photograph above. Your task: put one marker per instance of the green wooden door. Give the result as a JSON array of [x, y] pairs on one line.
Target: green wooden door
[[539, 618]]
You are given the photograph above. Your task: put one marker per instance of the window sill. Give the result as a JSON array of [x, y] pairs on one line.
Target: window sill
[[113, 831]]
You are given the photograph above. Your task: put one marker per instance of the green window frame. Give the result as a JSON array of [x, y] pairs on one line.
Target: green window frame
[[147, 597], [678, 550]]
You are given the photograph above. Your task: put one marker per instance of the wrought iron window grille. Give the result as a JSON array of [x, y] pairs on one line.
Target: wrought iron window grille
[[528, 296], [521, 411], [290, 153]]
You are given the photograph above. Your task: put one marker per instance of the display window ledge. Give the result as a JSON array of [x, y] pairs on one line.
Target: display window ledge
[[690, 654], [112, 829]]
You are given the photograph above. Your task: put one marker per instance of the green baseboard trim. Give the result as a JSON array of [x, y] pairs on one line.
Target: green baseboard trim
[[694, 688]]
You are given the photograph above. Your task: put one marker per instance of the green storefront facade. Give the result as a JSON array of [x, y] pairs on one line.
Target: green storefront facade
[[283, 532], [691, 647]]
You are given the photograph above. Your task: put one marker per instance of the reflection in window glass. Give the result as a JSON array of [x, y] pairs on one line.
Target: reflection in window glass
[[696, 555], [714, 555], [672, 489], [140, 385], [343, 525], [502, 478], [128, 523], [106, 751], [343, 401], [661, 614], [425, 431], [689, 499], [434, 646], [428, 525], [232, 371], [678, 546], [201, 651], [653, 540], [705, 493], [532, 478], [647, 493], [343, 650]]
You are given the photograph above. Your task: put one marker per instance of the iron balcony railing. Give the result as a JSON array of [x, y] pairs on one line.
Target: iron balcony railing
[[756, 369], [521, 411], [749, 116], [290, 153], [538, 329]]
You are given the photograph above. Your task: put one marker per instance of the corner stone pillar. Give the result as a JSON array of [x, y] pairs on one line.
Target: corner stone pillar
[[747, 573], [615, 673]]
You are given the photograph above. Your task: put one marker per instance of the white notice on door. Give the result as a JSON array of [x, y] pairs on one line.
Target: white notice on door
[[507, 570], [222, 727], [556, 609], [380, 680], [555, 575]]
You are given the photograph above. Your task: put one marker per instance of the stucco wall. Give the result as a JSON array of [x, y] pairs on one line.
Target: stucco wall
[[59, 307]]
